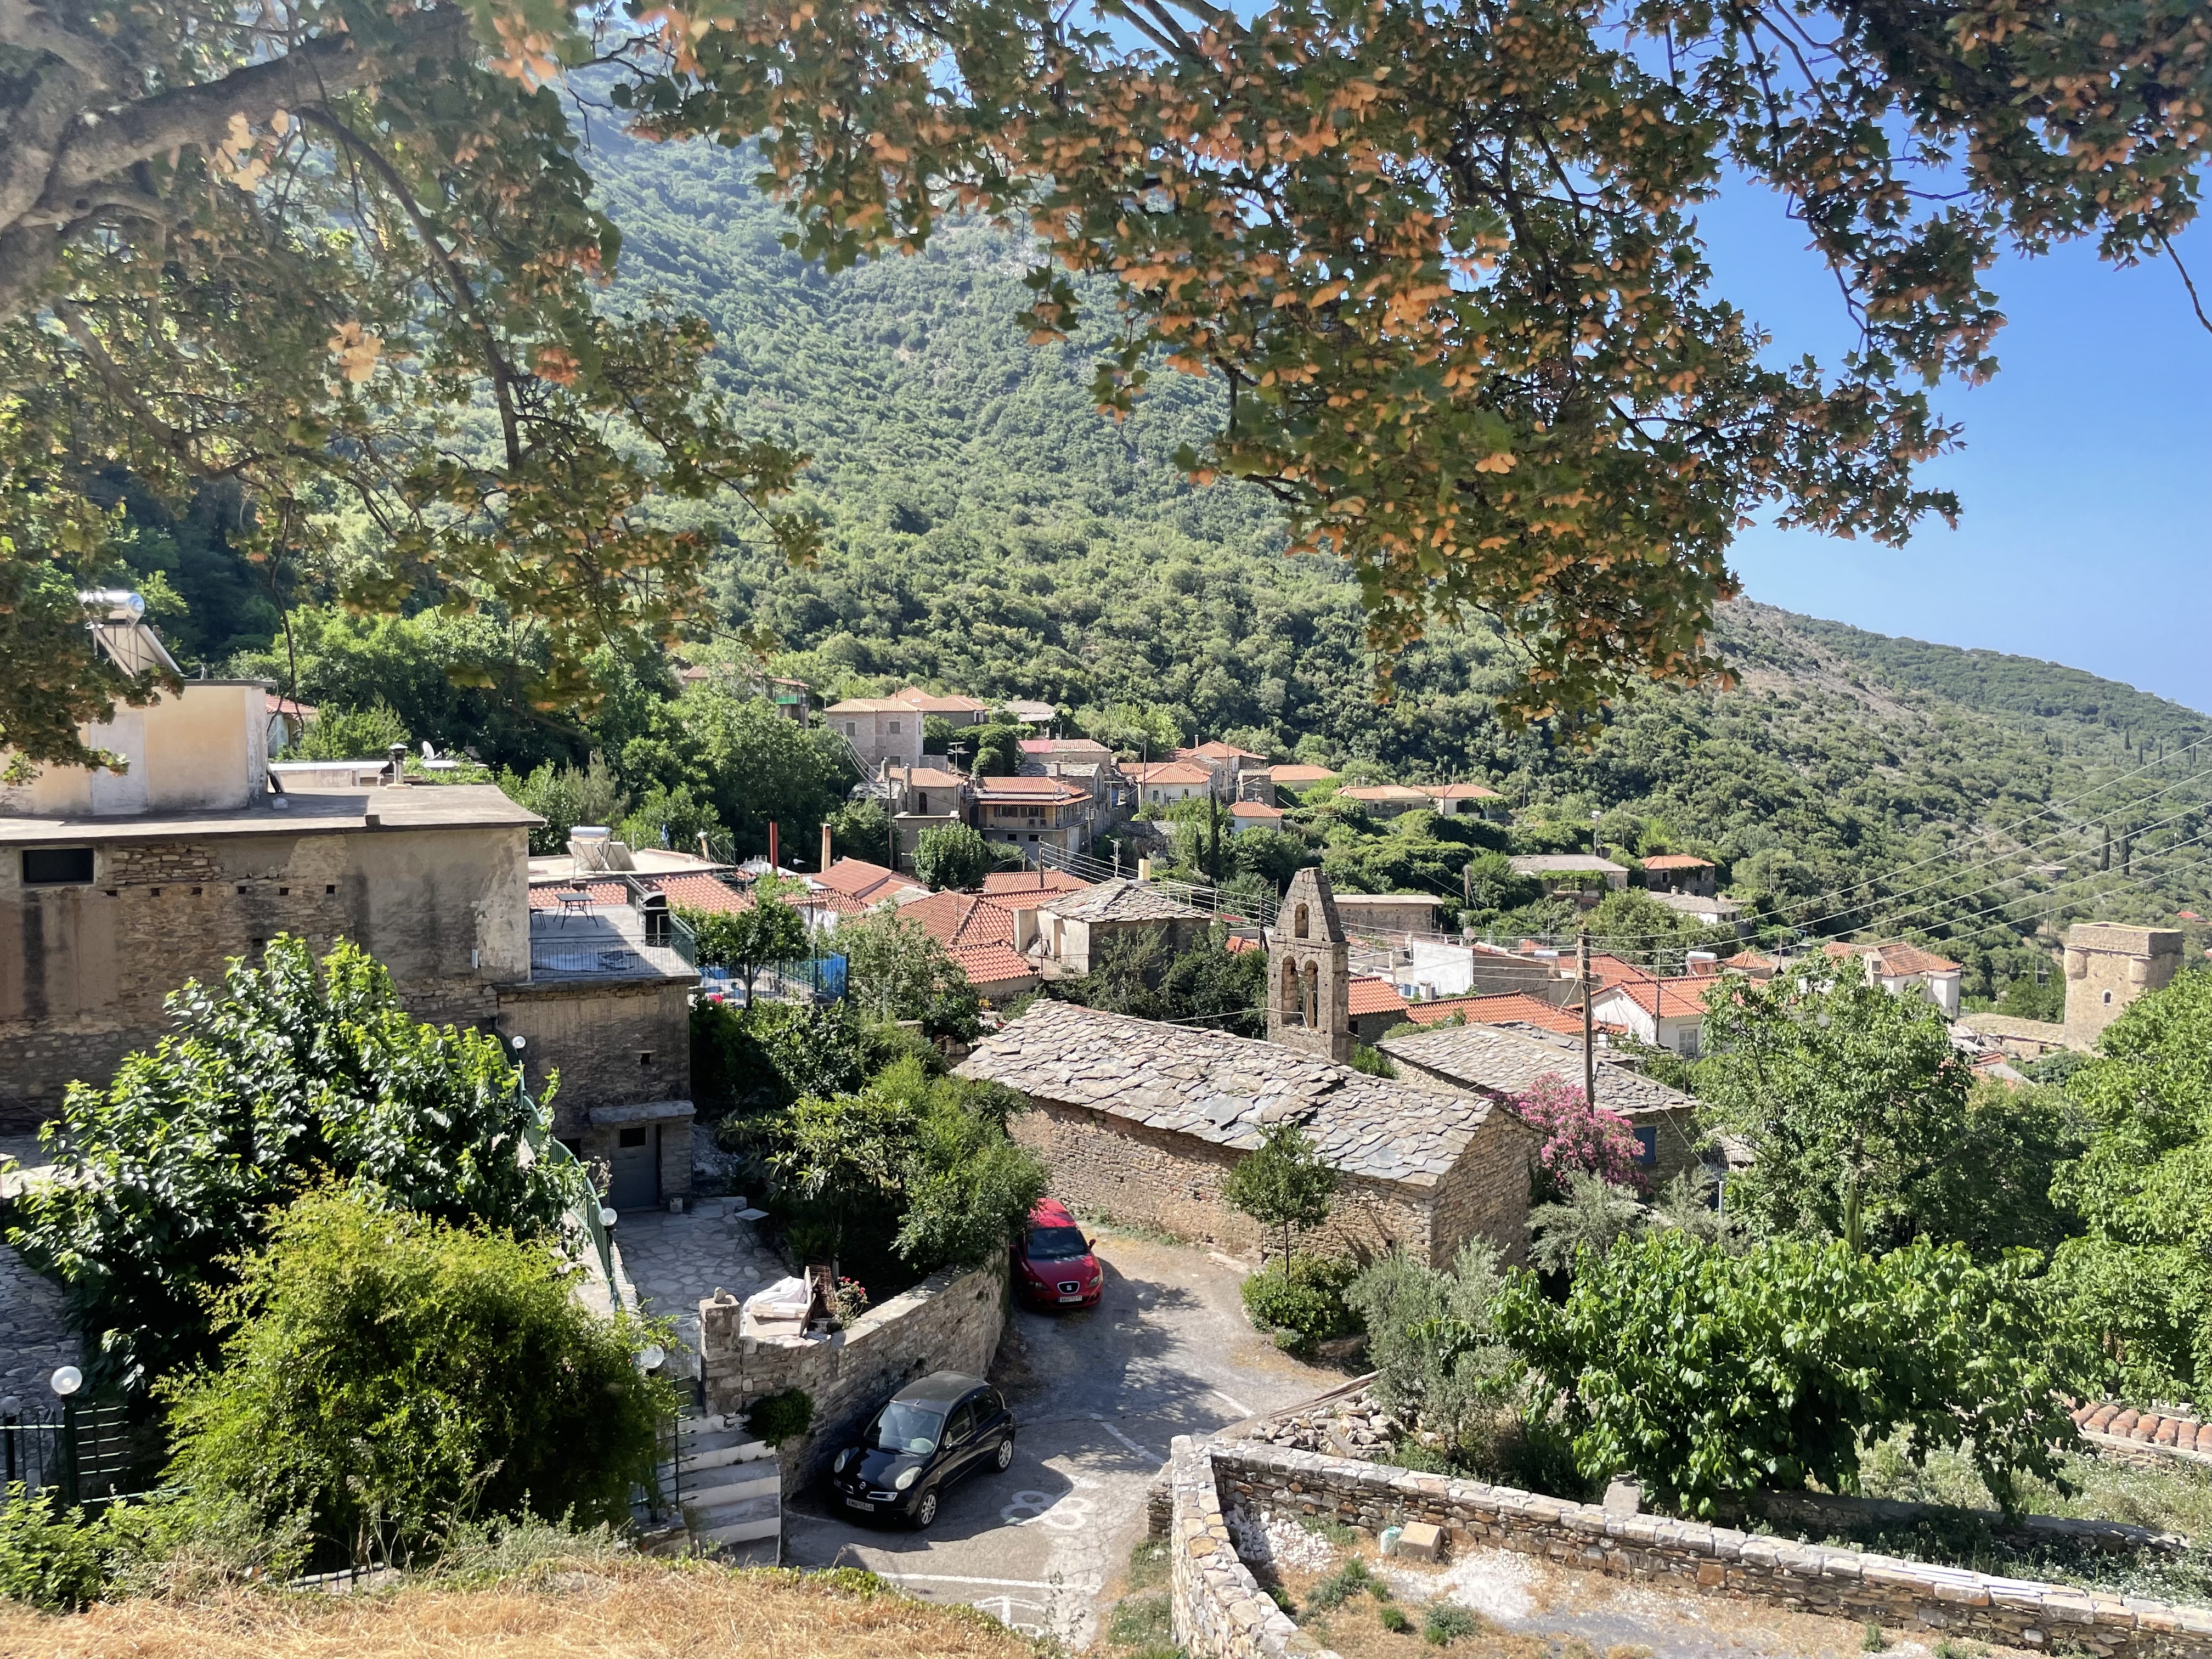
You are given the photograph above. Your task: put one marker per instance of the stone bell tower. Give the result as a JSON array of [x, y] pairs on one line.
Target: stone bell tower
[[1308, 972]]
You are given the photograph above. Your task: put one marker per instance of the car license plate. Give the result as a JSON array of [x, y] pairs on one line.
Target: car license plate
[[858, 1504], [1071, 1299]]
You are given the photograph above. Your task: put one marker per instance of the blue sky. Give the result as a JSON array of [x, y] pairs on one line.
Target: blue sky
[[2086, 480]]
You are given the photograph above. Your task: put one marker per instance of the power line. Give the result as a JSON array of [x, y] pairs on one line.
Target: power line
[[2040, 811], [2023, 852]]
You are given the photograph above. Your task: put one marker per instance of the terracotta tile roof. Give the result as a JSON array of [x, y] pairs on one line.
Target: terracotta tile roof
[[929, 777], [1677, 862], [2147, 1428], [1498, 1062], [871, 706], [1178, 1079], [1255, 810], [870, 884], [1460, 791], [1661, 998], [1297, 775], [963, 919], [1027, 789], [543, 897], [1121, 900], [1004, 884], [1752, 962], [1606, 968], [1236, 945], [1166, 772], [702, 893], [1371, 995], [1894, 959], [1509, 1008], [1217, 749], [993, 967]]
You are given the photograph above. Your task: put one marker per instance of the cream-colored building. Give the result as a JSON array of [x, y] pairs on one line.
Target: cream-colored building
[[882, 731]]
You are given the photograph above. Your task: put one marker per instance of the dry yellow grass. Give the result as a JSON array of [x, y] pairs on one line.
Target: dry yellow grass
[[593, 1610]]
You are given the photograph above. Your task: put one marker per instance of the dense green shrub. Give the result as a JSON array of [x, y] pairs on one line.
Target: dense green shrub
[[1305, 1305], [291, 1070], [2143, 1266], [776, 1418], [50, 1557], [386, 1374], [951, 855], [1453, 1390], [897, 970], [1707, 1372], [911, 1173]]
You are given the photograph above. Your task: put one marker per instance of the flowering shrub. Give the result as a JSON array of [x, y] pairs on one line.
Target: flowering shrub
[[1576, 1136], [852, 1300]]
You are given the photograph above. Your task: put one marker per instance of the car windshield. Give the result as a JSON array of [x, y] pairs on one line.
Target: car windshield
[[1056, 1243], [900, 1427]]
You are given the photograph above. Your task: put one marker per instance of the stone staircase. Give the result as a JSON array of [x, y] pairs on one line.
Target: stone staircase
[[731, 1486]]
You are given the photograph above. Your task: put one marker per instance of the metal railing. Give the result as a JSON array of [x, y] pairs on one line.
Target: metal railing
[[90, 1453], [809, 979]]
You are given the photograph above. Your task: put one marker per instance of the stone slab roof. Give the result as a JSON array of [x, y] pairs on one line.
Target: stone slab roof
[[2011, 1025], [1498, 1062], [1121, 900], [1224, 1089]]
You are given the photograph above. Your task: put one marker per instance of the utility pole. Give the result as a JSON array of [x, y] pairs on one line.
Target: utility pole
[[1589, 1023]]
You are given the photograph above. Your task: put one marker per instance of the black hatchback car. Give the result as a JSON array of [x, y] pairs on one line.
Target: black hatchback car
[[928, 1435]]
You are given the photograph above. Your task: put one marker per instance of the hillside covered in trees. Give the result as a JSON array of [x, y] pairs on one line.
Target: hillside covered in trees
[[985, 529]]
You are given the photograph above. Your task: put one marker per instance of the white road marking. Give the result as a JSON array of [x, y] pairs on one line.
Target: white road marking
[[1236, 1406], [1141, 1451], [962, 1578]]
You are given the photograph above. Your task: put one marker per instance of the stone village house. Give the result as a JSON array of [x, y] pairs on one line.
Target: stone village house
[[1141, 1120], [115, 889]]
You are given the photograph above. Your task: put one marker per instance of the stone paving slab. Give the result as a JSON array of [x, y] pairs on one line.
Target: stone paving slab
[[677, 1262]]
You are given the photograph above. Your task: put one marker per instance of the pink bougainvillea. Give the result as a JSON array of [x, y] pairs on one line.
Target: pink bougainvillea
[[1577, 1136]]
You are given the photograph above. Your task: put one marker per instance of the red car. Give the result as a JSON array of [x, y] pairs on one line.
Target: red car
[[1054, 1267]]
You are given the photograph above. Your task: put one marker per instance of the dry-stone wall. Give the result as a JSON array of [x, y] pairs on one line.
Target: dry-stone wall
[[1713, 1561], [951, 1322], [1220, 1611]]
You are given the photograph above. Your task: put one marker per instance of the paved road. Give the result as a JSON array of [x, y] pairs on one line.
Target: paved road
[[1098, 1396]]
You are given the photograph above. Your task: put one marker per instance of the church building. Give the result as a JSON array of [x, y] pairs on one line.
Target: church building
[[1139, 1120]]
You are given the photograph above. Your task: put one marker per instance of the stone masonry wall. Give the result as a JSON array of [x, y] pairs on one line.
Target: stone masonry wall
[[951, 1322], [1487, 1194], [2109, 966], [1218, 1608], [83, 971], [614, 1041], [1128, 1173], [1712, 1560]]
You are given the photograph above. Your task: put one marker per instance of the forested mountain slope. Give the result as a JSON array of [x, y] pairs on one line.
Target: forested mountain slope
[[986, 530], [989, 530]]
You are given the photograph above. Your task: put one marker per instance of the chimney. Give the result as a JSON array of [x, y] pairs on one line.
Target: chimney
[[825, 848], [775, 858]]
